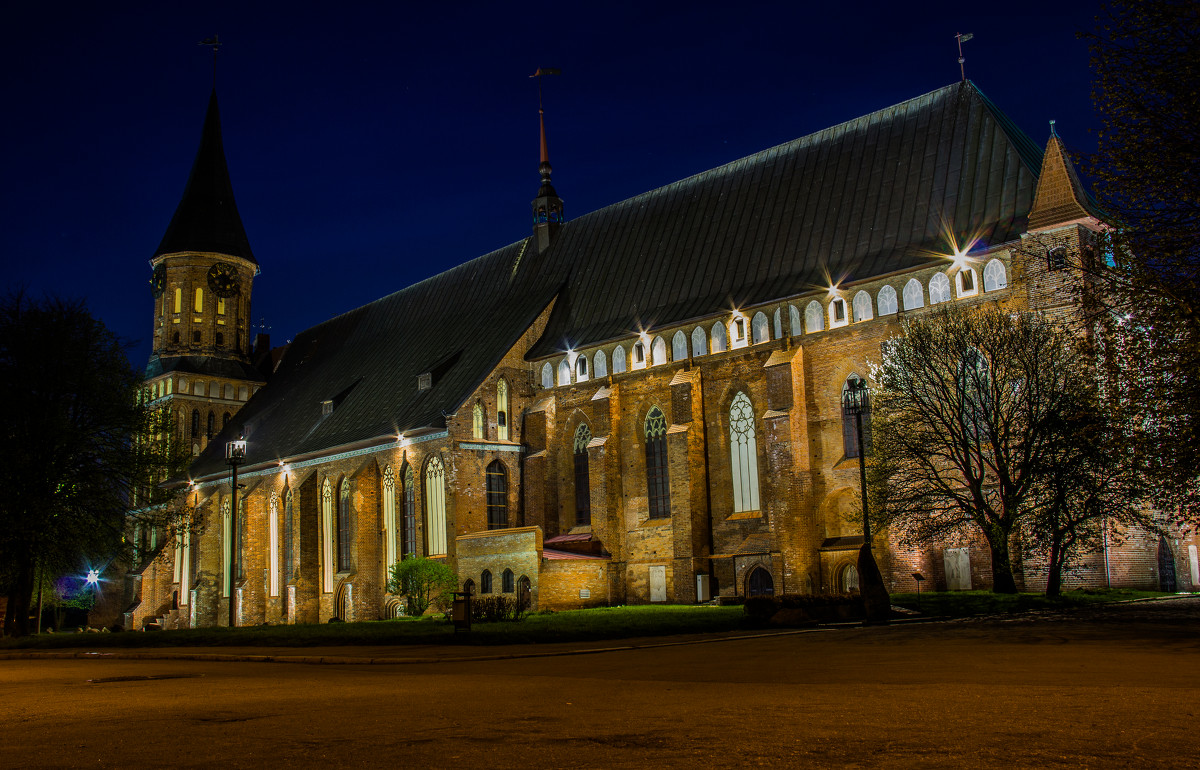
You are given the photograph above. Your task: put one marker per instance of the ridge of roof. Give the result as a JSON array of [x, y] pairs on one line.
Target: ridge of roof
[[207, 218]]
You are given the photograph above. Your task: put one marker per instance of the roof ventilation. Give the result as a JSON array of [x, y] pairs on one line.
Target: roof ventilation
[[424, 381]]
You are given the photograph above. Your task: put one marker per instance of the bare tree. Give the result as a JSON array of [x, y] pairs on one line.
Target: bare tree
[[968, 410]]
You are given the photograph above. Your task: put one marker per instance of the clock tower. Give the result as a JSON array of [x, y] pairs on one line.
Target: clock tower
[[202, 365]]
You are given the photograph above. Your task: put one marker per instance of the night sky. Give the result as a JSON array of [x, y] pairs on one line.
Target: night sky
[[374, 146]]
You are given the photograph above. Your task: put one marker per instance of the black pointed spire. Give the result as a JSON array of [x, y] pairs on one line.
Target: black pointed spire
[[207, 217], [547, 206]]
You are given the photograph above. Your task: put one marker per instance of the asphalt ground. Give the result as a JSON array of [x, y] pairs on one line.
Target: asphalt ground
[[1106, 686]]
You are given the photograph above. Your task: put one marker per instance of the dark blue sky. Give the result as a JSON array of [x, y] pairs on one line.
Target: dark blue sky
[[373, 146]]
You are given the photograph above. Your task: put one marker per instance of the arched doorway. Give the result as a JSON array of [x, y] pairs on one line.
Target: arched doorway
[[847, 579], [1166, 566], [524, 593], [759, 583]]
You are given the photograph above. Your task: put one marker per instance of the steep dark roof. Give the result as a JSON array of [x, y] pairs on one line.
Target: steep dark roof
[[864, 198], [861, 199], [456, 325], [203, 365], [207, 217]]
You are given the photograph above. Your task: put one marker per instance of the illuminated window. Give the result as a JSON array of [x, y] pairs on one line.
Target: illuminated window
[[886, 300], [289, 559], [967, 285], [178, 299], [199, 304], [914, 295], [583, 485], [699, 341], [497, 495], [657, 480], [862, 307], [794, 324], [391, 535], [220, 306], [679, 347], [720, 338], [327, 536], [502, 410], [226, 547], [600, 364], [760, 329], [814, 319], [547, 376], [778, 322], [743, 450], [939, 289], [435, 506], [343, 527], [618, 360], [737, 333], [837, 313], [477, 422], [658, 350], [275, 529], [508, 581], [995, 277], [564, 372]]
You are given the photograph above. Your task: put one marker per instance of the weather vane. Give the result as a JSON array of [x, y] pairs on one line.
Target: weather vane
[[262, 325], [542, 71], [216, 44], [962, 38]]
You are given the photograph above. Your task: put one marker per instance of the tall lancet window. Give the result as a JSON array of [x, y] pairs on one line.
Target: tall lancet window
[[502, 410], [477, 422], [343, 527], [657, 481], [327, 536], [435, 506], [583, 482], [497, 495], [743, 451], [289, 559], [275, 531], [409, 515], [390, 535]]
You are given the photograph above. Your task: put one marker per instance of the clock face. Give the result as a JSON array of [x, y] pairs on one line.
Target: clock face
[[223, 279], [158, 281]]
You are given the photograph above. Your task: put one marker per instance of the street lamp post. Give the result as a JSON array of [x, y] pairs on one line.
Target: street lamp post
[[856, 401], [235, 455]]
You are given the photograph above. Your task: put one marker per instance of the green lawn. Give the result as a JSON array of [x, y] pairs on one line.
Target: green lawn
[[958, 604], [573, 626]]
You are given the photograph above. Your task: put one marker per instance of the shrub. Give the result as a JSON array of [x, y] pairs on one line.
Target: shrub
[[423, 582], [496, 608]]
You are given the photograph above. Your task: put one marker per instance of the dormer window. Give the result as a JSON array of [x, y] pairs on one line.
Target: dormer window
[[1056, 258], [326, 408], [424, 381]]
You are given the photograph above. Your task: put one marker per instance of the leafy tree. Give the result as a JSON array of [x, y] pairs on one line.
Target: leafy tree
[[71, 464], [1146, 61], [968, 408], [422, 581]]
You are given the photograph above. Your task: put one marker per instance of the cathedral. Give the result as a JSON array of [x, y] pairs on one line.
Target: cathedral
[[641, 404]]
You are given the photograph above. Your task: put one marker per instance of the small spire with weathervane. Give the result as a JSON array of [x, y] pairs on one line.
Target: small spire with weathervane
[[547, 206]]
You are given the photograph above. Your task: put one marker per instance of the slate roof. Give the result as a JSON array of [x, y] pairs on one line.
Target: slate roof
[[207, 218], [857, 200], [203, 365]]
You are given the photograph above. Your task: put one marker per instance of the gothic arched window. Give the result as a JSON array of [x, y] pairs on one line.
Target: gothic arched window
[[743, 450], [583, 484], [195, 423], [995, 277], [502, 409], [477, 421], [390, 536], [720, 338], [794, 325], [212, 425], [699, 341], [409, 514], [657, 480], [659, 351], [327, 535], [288, 533], [939, 289], [497, 495], [886, 299], [760, 329], [435, 506], [618, 360], [547, 376], [814, 319], [599, 364], [485, 582], [862, 307], [509, 582], [679, 346], [343, 527], [276, 528], [914, 294], [564, 372]]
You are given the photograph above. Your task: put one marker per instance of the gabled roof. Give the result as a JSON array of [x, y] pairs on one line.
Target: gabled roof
[[868, 197], [207, 218]]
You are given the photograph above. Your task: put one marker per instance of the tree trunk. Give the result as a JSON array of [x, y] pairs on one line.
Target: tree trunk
[[1054, 574], [1003, 581], [16, 619]]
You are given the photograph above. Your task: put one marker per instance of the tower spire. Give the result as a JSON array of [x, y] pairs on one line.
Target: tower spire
[[547, 206]]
